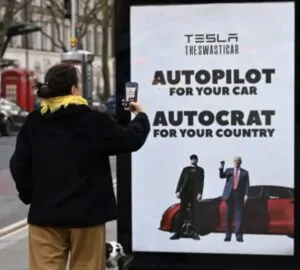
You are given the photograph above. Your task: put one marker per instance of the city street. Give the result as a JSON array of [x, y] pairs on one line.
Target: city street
[[14, 245], [13, 248]]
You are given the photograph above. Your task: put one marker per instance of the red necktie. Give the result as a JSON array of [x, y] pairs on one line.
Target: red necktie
[[236, 179]]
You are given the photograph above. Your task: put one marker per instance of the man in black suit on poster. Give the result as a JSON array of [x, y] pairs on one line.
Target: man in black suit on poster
[[189, 191]]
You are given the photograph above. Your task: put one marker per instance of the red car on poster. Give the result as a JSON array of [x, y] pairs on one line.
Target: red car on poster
[[268, 210]]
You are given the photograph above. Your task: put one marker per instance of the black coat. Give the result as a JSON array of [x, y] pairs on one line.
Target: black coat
[[61, 164], [197, 185]]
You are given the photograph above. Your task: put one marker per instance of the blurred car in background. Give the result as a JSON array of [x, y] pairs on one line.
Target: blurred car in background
[[111, 105], [98, 106], [12, 117]]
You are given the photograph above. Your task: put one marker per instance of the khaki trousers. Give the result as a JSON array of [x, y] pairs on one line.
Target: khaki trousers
[[49, 248]]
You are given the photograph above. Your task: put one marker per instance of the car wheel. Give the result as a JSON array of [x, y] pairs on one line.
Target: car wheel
[[6, 131]]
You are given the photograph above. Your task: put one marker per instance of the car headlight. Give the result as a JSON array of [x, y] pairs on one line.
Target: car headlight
[[14, 112], [24, 113]]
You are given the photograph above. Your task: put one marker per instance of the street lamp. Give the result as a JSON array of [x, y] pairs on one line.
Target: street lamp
[[17, 29]]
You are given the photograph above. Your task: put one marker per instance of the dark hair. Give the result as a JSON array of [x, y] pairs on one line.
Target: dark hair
[[59, 81], [194, 157]]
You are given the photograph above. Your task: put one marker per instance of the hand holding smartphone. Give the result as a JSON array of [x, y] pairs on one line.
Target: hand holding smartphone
[[131, 95]]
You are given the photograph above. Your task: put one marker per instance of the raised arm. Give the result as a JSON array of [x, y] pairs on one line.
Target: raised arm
[[222, 173], [114, 139]]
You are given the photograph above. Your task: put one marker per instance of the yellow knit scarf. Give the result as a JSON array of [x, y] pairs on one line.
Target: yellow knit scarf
[[55, 103]]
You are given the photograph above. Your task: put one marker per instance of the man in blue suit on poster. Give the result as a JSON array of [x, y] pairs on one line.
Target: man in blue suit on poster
[[235, 195]]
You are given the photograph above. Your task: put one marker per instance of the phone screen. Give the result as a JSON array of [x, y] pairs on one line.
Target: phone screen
[[131, 91]]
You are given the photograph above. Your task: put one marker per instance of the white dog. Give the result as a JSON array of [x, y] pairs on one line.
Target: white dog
[[114, 251]]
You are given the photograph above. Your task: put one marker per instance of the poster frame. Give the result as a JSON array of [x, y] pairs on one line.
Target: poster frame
[[157, 260]]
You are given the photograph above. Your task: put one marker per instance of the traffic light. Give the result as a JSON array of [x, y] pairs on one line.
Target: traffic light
[[67, 9]]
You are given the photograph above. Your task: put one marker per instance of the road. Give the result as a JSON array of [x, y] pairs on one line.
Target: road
[[14, 245], [12, 209]]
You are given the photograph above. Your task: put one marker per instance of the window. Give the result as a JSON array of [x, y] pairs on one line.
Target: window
[[83, 42], [110, 42], [98, 50], [37, 40], [16, 42], [98, 78], [55, 37], [11, 92], [257, 191], [36, 37], [80, 7], [58, 37], [47, 37], [43, 41], [280, 192], [90, 40], [67, 35], [29, 41], [36, 3]]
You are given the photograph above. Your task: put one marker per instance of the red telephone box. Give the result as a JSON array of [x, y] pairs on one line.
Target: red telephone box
[[17, 86]]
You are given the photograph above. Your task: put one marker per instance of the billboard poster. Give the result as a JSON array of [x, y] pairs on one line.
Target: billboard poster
[[217, 172]]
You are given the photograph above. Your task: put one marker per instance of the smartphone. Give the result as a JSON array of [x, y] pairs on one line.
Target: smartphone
[[131, 93]]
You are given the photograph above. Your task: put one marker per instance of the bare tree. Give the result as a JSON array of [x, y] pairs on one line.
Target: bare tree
[[11, 9], [100, 13], [104, 20], [56, 13], [55, 10], [105, 23]]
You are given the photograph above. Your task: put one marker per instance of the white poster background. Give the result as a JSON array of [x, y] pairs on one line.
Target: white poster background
[[266, 40]]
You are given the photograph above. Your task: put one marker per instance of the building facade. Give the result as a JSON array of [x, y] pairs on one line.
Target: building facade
[[40, 50]]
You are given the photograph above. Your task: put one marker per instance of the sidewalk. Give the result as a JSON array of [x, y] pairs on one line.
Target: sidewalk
[[13, 249]]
